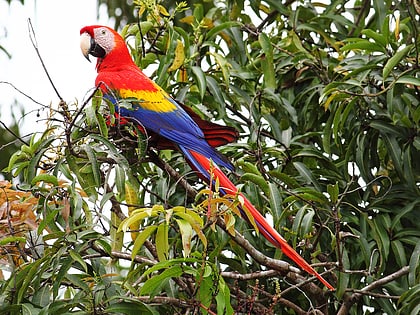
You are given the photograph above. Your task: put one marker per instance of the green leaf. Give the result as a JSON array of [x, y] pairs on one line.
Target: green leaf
[[11, 239], [306, 174], [194, 220], [224, 66], [31, 271], [410, 80], [297, 222], [141, 238], [275, 201], [394, 151], [306, 224], [267, 61], [409, 208], [129, 307], [343, 277], [41, 147], [399, 253], [381, 237], [385, 127], [200, 79], [93, 162], [78, 281], [223, 298], [90, 112], [120, 181], [162, 245], [111, 150], [257, 180], [47, 178], [206, 290], [153, 285], [215, 90], [221, 27], [394, 60], [377, 37], [409, 301], [414, 265], [285, 178], [363, 44], [333, 191], [76, 257]]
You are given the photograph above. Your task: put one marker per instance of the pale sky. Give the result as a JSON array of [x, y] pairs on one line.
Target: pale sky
[[57, 24]]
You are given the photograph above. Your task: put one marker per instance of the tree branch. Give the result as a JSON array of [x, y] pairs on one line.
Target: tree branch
[[174, 174], [349, 300], [166, 300], [281, 266], [249, 276]]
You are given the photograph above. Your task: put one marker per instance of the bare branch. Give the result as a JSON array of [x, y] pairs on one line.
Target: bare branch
[[35, 45], [174, 174], [13, 134], [249, 276], [281, 266], [165, 300], [349, 300]]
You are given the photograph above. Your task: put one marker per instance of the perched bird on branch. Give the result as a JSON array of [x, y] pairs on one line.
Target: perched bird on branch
[[173, 124]]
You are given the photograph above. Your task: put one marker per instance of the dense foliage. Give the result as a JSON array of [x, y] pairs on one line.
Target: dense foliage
[[327, 100]]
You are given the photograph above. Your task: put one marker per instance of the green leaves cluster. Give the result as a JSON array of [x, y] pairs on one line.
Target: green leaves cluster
[[326, 98]]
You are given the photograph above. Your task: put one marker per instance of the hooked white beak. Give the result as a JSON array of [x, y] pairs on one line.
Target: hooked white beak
[[85, 44]]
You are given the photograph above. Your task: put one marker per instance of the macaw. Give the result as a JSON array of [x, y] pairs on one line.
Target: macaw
[[121, 80]]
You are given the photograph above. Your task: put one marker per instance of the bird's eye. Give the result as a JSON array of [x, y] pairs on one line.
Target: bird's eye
[[103, 32]]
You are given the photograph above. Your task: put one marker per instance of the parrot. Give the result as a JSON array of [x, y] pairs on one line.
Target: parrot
[[139, 98]]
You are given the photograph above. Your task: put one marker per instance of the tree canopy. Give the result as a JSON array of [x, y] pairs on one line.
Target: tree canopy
[[326, 97]]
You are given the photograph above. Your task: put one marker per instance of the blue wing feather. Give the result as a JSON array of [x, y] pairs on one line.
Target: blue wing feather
[[176, 126]]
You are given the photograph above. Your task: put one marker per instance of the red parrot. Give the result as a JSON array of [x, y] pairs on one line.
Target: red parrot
[[142, 100]]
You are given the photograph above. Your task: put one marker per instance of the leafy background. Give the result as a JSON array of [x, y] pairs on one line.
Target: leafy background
[[326, 98]]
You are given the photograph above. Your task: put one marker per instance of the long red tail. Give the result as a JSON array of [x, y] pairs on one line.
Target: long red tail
[[264, 227]]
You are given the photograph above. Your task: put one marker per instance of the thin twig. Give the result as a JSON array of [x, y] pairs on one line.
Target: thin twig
[[373, 294], [173, 173], [35, 45], [13, 134], [23, 93]]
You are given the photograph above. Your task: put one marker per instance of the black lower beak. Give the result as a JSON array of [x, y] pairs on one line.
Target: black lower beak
[[96, 50]]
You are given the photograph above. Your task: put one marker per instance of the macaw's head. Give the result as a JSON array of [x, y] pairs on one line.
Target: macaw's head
[[104, 43]]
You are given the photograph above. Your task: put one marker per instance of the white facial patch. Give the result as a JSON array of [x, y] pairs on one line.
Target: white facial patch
[[104, 38]]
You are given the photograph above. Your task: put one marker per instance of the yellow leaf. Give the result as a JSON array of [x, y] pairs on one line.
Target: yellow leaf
[[116, 236], [207, 22], [162, 10], [168, 215], [186, 234], [329, 100], [188, 19], [131, 199], [230, 223], [397, 28], [179, 57], [264, 8], [182, 75], [162, 245]]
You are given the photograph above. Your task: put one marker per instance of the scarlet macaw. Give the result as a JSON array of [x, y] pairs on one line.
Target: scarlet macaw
[[120, 79]]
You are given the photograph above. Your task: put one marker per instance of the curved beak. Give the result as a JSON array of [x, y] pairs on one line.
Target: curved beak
[[85, 44], [90, 47]]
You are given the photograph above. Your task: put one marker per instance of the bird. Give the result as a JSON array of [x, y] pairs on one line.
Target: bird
[[138, 97]]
